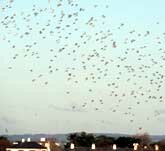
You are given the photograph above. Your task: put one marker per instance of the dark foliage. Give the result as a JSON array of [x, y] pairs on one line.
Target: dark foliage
[[81, 139], [126, 142], [4, 143], [104, 141]]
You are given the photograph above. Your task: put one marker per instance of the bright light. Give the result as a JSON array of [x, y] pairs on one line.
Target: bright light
[[57, 144], [14, 143], [135, 145], [43, 139], [156, 147], [71, 146], [93, 146], [29, 139], [114, 147]]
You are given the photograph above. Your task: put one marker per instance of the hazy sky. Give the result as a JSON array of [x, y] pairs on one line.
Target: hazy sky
[[93, 79]]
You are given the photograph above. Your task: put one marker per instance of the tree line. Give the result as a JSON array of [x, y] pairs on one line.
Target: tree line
[[84, 139]]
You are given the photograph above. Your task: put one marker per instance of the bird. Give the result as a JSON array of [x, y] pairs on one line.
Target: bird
[[113, 64]]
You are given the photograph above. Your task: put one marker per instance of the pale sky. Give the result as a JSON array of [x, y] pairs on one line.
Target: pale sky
[[109, 88]]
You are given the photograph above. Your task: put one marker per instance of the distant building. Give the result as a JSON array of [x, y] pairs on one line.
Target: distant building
[[42, 145], [51, 145], [27, 146]]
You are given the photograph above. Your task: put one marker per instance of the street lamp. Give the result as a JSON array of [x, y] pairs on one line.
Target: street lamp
[[93, 146], [156, 147], [135, 146], [114, 147], [71, 146], [145, 147]]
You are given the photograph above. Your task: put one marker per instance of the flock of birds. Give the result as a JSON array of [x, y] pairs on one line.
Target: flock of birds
[[125, 64]]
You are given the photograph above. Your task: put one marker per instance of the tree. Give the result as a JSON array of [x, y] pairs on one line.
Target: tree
[[126, 141], [3, 138], [4, 143], [145, 138], [161, 145], [81, 139], [104, 141]]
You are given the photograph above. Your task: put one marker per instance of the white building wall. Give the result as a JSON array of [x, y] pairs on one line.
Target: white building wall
[[23, 149]]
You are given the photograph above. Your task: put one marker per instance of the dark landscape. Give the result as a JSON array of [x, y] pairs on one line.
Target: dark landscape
[[63, 137]]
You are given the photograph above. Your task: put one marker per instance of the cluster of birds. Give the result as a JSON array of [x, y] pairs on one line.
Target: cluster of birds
[[125, 65]]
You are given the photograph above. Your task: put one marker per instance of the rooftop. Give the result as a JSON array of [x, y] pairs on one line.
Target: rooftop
[[28, 145]]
